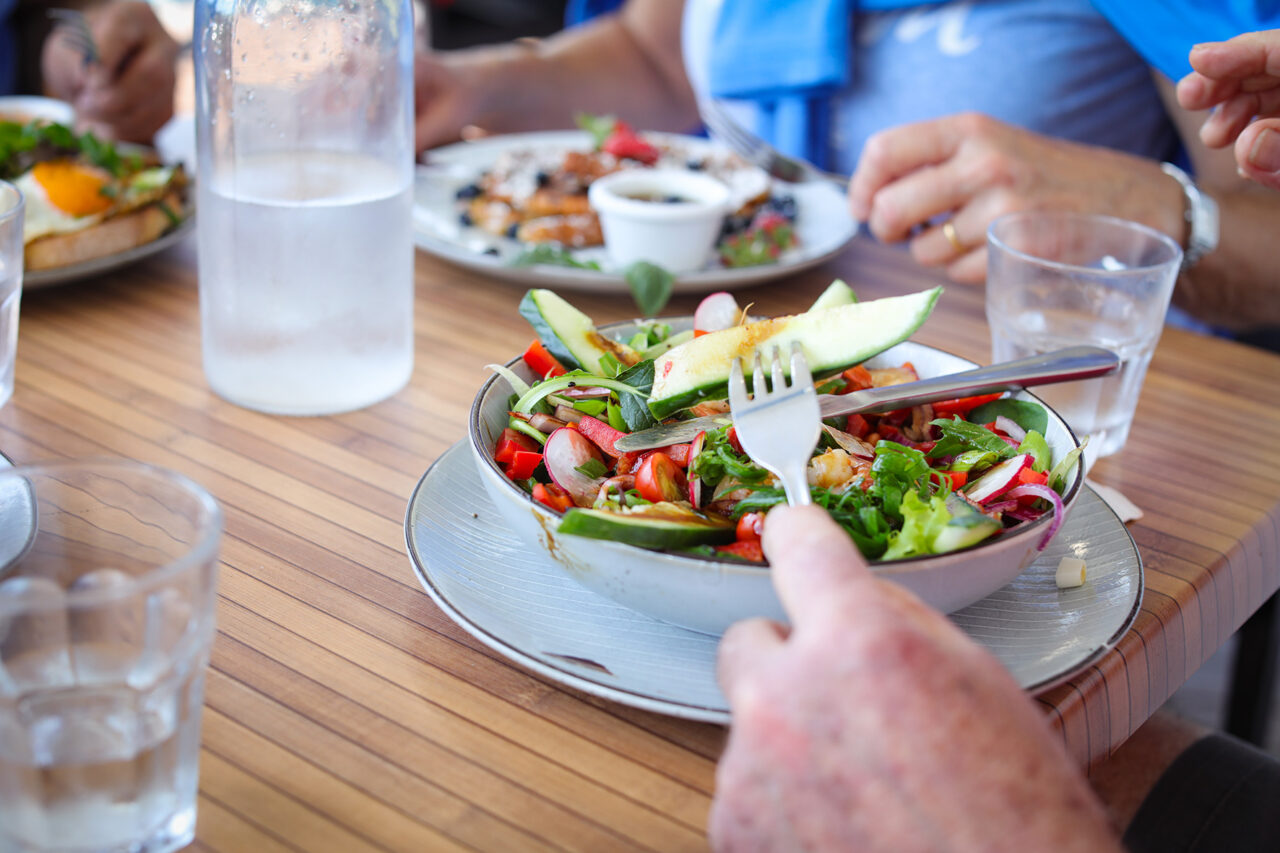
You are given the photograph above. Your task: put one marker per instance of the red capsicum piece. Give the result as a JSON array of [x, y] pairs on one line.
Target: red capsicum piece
[[601, 434], [552, 496], [961, 405], [746, 549], [541, 362], [523, 464], [511, 442]]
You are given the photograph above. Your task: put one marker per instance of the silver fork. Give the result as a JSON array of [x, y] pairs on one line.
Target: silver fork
[[723, 128], [73, 27], [778, 427]]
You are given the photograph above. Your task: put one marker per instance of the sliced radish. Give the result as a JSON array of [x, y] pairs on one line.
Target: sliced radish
[[999, 479], [716, 312], [565, 452], [695, 483], [601, 433], [569, 414]]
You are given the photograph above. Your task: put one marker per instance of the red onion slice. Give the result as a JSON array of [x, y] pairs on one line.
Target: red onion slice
[[1036, 490], [1011, 428]]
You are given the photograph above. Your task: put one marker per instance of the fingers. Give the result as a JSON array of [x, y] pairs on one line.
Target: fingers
[[1258, 152], [817, 570], [892, 153], [1247, 55], [743, 648], [120, 30]]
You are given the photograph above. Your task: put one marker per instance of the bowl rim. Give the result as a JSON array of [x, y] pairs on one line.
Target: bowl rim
[[902, 565], [604, 197]]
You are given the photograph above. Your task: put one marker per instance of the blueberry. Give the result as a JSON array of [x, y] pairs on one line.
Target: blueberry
[[542, 178], [492, 250], [464, 218], [695, 165], [783, 205], [512, 229], [672, 199], [468, 192]]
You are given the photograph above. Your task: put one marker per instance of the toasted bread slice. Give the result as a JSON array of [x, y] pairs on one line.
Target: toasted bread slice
[[110, 237]]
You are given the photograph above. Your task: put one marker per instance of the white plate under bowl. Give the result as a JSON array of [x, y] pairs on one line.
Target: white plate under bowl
[[519, 603], [823, 223]]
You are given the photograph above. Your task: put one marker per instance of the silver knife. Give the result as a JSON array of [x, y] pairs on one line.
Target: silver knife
[[1064, 365]]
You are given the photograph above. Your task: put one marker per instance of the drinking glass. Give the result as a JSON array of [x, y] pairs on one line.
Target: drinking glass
[[107, 585], [1059, 279], [304, 138], [11, 213]]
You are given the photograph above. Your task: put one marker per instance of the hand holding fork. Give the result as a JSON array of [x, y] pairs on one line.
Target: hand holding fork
[[115, 65]]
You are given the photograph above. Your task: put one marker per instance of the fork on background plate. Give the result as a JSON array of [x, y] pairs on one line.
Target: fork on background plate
[[725, 129], [778, 427], [72, 26]]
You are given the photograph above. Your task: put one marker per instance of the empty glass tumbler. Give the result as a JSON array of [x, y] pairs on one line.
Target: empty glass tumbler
[[304, 123], [108, 577]]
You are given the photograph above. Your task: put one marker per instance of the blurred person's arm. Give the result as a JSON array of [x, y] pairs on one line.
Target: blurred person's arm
[[874, 724], [626, 64], [128, 93], [978, 168]]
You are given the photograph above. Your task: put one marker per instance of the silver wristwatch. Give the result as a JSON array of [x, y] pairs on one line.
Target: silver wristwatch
[[1202, 217]]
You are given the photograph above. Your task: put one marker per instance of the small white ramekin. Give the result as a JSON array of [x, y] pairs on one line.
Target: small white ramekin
[[679, 237]]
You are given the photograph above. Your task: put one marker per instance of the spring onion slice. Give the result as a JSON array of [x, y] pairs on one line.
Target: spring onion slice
[[535, 394], [518, 386]]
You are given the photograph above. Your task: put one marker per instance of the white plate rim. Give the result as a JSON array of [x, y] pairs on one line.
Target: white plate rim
[[461, 154], [98, 266], [698, 712]]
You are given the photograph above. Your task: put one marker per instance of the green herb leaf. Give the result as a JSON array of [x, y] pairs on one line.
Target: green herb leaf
[[1026, 414], [592, 468], [650, 285], [600, 127], [609, 365], [551, 255], [634, 408], [959, 436]]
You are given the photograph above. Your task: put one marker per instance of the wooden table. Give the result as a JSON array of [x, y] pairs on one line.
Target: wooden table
[[346, 712]]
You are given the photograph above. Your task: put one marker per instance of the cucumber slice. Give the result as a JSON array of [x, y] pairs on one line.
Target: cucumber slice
[[833, 339], [659, 526], [837, 293], [966, 527], [569, 335]]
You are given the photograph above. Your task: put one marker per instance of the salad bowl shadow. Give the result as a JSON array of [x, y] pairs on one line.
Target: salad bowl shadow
[[707, 595]]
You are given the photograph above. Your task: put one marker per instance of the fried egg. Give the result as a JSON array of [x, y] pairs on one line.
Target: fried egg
[[63, 196]]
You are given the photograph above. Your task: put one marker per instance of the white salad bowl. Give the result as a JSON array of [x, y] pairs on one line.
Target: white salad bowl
[[707, 595]]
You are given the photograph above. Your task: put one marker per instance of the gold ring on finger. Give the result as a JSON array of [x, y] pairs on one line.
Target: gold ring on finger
[[949, 231]]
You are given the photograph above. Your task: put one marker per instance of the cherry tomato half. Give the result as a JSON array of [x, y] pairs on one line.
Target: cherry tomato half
[[659, 479], [750, 527]]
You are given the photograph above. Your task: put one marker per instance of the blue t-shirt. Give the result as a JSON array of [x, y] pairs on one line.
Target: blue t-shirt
[[8, 49], [1053, 66]]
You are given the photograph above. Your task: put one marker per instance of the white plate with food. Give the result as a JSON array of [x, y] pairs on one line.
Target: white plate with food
[[90, 206], [488, 204], [520, 603]]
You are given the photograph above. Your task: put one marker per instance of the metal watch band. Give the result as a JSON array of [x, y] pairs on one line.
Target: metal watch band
[[1201, 213]]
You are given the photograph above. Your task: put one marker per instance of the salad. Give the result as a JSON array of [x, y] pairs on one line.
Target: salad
[[919, 481]]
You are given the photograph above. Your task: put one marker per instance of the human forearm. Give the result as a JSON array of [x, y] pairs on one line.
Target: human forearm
[[627, 65], [1236, 286]]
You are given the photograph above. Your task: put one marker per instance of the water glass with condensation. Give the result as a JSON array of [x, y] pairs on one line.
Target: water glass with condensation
[[107, 584], [11, 213], [1059, 279]]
